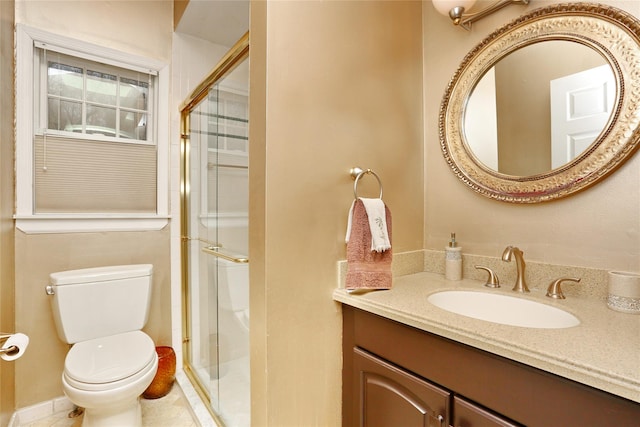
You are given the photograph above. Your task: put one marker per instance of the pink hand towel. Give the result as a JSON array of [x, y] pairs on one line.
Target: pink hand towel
[[367, 269]]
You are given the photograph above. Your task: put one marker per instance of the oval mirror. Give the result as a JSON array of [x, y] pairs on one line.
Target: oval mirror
[[545, 106]]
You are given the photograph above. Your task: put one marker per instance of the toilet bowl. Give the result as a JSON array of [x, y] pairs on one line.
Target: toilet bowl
[[105, 379], [111, 361]]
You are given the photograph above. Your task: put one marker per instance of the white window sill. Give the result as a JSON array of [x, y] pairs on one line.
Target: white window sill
[[43, 224]]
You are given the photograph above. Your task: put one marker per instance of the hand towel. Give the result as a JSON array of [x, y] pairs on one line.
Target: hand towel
[[376, 214], [367, 269]]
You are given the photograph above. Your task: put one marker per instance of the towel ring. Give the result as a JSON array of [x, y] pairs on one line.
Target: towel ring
[[357, 173]]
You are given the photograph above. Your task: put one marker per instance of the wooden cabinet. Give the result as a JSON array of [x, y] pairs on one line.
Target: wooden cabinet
[[388, 396], [396, 375], [467, 414]]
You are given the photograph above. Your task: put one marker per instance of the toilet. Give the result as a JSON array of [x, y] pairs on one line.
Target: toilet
[[101, 311]]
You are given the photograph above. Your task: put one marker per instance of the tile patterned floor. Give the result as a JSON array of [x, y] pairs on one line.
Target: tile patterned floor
[[171, 410]]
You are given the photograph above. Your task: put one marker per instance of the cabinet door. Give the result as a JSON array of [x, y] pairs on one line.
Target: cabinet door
[[467, 414], [387, 396]]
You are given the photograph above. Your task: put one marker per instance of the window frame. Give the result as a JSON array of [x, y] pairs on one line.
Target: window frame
[[26, 220]]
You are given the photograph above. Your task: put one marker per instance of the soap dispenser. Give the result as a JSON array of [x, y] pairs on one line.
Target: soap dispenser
[[453, 260]]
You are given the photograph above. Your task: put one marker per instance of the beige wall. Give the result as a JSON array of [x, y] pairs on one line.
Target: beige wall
[[7, 370], [333, 85], [141, 27], [138, 27], [597, 228]]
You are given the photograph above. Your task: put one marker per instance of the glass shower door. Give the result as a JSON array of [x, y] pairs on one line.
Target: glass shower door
[[217, 280]]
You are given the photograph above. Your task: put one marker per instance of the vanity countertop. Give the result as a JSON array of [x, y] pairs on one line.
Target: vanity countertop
[[602, 352]]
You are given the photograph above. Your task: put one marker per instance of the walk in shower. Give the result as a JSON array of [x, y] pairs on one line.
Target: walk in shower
[[215, 263]]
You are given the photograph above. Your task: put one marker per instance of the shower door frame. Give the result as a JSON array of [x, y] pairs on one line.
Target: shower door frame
[[238, 53]]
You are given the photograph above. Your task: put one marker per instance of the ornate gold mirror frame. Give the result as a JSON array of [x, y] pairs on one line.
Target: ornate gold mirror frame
[[612, 33]]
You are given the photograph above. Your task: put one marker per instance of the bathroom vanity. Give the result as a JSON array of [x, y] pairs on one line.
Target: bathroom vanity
[[407, 362]]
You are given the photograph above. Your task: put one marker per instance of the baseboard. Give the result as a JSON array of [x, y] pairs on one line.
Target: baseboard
[[40, 410]]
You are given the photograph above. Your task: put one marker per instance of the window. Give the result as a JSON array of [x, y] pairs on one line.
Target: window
[[90, 98], [91, 154], [93, 151]]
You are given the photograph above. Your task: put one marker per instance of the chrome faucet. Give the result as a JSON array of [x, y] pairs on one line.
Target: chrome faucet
[[521, 284]]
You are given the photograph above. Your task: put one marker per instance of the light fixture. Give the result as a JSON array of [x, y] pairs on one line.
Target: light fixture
[[456, 9]]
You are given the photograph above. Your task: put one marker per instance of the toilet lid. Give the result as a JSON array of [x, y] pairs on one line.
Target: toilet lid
[[109, 359]]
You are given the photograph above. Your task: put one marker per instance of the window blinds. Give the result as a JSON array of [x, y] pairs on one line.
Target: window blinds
[[88, 176]]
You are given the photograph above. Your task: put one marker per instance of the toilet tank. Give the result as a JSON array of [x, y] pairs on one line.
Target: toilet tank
[[97, 302]]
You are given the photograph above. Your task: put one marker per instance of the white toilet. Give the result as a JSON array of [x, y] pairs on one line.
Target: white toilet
[[102, 311]]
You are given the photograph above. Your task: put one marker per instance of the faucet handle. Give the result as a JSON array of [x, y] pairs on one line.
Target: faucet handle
[[492, 280], [555, 291]]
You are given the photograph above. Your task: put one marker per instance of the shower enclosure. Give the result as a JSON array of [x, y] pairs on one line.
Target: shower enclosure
[[215, 264]]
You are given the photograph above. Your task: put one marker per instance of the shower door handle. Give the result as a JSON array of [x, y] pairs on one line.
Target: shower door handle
[[215, 251]]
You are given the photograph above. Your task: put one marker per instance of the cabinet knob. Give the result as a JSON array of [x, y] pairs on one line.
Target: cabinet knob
[[436, 418]]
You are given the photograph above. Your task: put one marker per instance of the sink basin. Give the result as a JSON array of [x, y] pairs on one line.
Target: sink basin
[[504, 309]]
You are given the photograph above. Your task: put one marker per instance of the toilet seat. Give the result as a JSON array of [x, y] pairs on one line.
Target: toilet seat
[[109, 362]]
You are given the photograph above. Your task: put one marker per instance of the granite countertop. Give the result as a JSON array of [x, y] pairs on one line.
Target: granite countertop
[[602, 352]]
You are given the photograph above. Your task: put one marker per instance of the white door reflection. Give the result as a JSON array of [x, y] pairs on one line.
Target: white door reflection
[[581, 106]]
